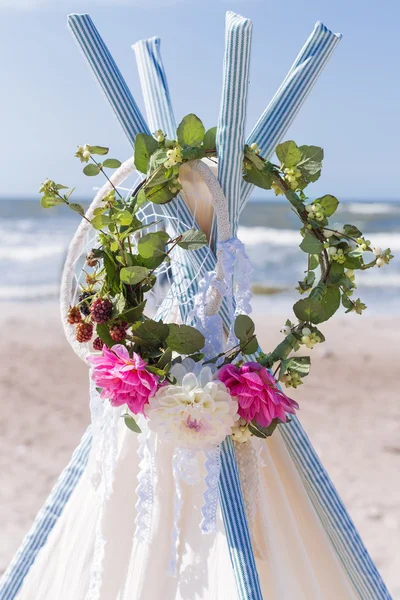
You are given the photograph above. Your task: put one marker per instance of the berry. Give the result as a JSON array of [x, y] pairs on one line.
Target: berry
[[84, 332], [306, 331], [286, 329], [98, 344], [74, 315], [101, 310], [380, 262], [91, 260], [84, 305], [118, 331], [377, 251], [332, 250]]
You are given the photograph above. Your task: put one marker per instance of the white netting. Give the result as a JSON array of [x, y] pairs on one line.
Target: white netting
[[172, 296]]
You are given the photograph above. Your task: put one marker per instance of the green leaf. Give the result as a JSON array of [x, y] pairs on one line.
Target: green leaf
[[288, 153], [159, 194], [131, 424], [313, 262], [145, 145], [283, 350], [244, 327], [112, 163], [329, 204], [261, 178], [352, 231], [263, 432], [133, 314], [193, 153], [331, 302], [150, 333], [91, 170], [193, 239], [100, 221], [185, 339], [190, 131], [133, 275], [104, 334], [249, 347], [311, 161], [310, 244], [98, 150], [336, 272], [300, 365], [49, 201], [209, 141], [353, 262], [157, 159], [347, 303], [308, 309], [124, 218], [77, 208], [153, 244], [165, 359]]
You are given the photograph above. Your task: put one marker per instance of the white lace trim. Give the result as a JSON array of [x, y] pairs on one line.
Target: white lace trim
[[210, 506], [146, 484], [105, 424]]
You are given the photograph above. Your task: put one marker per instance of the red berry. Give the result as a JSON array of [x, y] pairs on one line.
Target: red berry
[[118, 331], [84, 332], [74, 315], [98, 344], [101, 310]]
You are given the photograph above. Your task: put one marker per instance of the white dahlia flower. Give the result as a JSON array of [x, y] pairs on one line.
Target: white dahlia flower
[[198, 412]]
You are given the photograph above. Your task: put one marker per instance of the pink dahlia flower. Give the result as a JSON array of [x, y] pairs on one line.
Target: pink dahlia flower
[[124, 379], [257, 393]]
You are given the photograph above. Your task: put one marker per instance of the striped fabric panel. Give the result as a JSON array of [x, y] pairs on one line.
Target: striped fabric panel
[[108, 75], [335, 519], [160, 115], [128, 113], [232, 116], [230, 143], [237, 530], [45, 521], [284, 106]]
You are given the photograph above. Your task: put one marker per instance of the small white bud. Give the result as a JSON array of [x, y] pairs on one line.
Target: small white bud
[[377, 251]]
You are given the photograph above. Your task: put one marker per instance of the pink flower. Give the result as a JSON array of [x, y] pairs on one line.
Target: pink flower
[[257, 393], [124, 379]]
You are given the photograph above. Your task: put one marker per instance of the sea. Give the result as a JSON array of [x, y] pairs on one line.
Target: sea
[[34, 242]]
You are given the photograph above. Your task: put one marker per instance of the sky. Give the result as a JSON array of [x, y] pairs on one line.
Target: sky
[[50, 101]]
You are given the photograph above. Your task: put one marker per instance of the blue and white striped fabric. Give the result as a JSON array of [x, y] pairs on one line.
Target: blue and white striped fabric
[[160, 115], [45, 520], [284, 106]]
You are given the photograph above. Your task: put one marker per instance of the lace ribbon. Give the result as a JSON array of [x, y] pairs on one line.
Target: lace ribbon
[[146, 484], [184, 468], [105, 424], [210, 506]]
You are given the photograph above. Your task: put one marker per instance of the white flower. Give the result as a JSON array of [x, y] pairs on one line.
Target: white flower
[[198, 412], [241, 432]]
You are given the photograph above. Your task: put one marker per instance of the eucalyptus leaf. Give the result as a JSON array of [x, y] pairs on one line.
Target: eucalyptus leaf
[[91, 170], [185, 339], [310, 244], [100, 221], [308, 309], [145, 145], [329, 304], [311, 160], [192, 239], [244, 328], [112, 163], [131, 423], [352, 231], [329, 204], [153, 244], [133, 275], [288, 154], [49, 201], [101, 150], [159, 194], [210, 142], [77, 208], [190, 131]]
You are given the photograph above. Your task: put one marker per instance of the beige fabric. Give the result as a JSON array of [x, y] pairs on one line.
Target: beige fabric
[[299, 563]]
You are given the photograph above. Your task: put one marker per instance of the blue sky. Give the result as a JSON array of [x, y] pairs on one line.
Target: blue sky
[[50, 102]]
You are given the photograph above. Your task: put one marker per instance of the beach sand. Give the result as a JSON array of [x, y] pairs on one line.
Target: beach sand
[[349, 408]]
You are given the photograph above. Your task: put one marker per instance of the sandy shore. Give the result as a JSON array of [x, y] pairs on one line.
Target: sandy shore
[[349, 407]]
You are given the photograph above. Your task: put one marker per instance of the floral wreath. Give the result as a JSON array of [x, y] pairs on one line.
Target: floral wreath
[[159, 369]]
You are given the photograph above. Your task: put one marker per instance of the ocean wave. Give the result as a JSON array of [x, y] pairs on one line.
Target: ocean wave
[[371, 208], [34, 292], [26, 254]]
